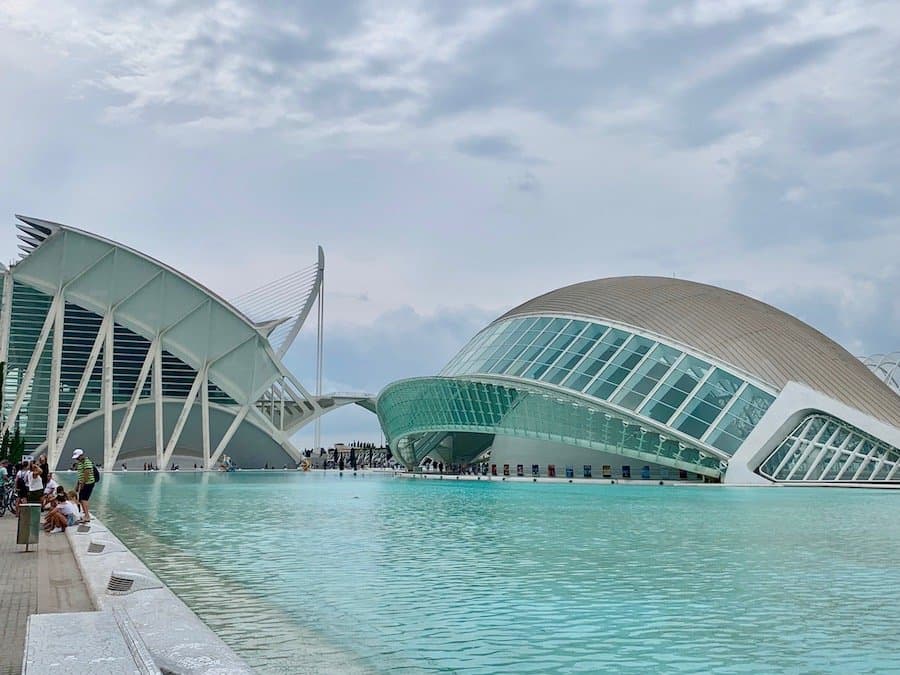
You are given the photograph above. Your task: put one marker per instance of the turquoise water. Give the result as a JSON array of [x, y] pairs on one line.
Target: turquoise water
[[395, 575]]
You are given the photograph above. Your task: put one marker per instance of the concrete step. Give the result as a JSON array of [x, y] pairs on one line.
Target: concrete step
[[85, 643]]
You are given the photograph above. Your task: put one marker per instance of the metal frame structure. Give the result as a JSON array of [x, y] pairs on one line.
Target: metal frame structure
[[121, 331], [886, 367]]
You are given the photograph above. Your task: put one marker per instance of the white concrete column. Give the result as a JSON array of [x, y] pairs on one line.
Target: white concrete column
[[158, 404], [55, 367], [5, 314], [107, 384], [204, 412]]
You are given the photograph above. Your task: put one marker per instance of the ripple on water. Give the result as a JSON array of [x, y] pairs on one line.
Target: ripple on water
[[312, 573]]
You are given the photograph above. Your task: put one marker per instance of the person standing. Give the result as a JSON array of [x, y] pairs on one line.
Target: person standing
[[84, 467], [45, 468], [35, 484]]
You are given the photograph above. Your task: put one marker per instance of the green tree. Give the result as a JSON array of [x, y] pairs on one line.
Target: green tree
[[17, 446]]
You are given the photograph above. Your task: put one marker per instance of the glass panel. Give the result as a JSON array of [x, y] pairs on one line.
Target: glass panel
[[574, 327], [619, 368], [645, 378], [517, 342], [527, 357], [569, 360], [707, 403], [677, 386], [834, 469], [596, 359], [740, 419], [549, 355]]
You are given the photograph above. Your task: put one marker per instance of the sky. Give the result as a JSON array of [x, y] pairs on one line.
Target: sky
[[455, 158]]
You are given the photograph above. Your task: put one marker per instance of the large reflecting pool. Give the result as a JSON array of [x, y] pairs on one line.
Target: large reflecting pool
[[317, 573]]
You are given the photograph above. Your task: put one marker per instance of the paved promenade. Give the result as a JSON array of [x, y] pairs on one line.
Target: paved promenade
[[44, 580]]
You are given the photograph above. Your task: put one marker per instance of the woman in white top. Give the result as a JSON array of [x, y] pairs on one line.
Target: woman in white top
[[35, 484], [50, 489], [63, 515]]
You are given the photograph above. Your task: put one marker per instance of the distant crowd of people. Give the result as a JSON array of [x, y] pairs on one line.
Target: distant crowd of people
[[34, 483]]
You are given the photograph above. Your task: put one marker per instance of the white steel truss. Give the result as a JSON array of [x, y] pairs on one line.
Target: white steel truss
[[820, 443], [151, 315]]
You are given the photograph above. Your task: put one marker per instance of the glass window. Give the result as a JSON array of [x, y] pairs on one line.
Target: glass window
[[620, 366], [740, 419], [569, 360], [645, 378], [596, 359], [527, 357], [574, 327], [677, 386], [510, 334], [707, 403], [549, 355], [515, 344]]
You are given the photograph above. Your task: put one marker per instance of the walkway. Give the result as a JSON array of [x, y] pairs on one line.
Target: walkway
[[45, 580]]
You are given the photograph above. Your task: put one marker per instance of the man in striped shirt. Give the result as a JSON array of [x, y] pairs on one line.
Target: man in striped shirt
[[85, 469]]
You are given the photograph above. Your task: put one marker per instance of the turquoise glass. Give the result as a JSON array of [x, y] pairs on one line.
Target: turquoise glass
[[654, 380]]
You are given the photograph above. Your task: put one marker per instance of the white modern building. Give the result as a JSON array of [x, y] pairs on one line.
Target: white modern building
[[646, 378], [110, 350]]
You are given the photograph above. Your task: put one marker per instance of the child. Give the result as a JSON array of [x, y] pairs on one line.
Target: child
[[73, 500]]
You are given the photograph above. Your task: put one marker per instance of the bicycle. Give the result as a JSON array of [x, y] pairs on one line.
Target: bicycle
[[8, 497]]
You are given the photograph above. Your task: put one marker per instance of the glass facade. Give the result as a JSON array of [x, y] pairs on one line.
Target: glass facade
[[823, 448], [413, 410], [653, 380], [80, 328]]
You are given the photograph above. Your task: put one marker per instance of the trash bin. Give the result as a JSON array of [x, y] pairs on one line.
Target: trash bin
[[29, 524]]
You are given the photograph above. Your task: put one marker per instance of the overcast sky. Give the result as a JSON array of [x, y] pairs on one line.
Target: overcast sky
[[455, 158]]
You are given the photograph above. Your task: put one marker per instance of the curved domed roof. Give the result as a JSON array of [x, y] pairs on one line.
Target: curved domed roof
[[757, 338]]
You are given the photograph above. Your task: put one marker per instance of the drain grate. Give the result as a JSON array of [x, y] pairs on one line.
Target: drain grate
[[119, 585], [83, 528], [123, 582], [94, 547]]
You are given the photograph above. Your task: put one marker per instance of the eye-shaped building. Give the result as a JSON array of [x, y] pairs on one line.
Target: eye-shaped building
[[648, 377]]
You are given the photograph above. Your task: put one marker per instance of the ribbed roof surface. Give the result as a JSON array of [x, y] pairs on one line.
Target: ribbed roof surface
[[759, 339]]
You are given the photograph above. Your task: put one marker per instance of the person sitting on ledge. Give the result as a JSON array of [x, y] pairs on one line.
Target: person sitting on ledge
[[50, 489], [62, 516], [72, 497]]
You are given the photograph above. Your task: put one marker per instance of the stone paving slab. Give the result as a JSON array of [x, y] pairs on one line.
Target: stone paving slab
[[45, 579], [60, 585], [18, 595], [81, 642]]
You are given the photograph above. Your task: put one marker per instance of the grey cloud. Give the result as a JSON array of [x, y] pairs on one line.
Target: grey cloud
[[765, 217], [494, 146], [695, 110], [874, 330], [520, 65]]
